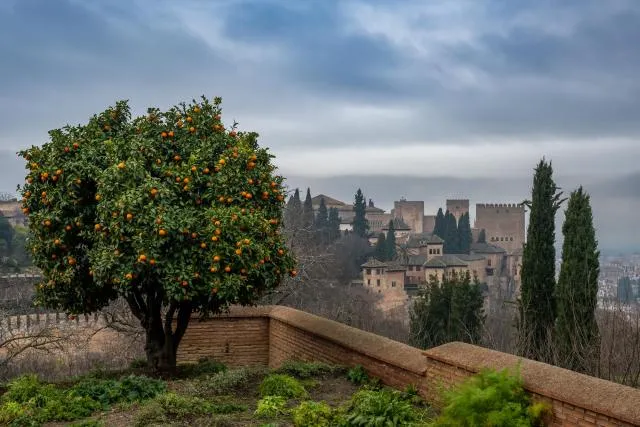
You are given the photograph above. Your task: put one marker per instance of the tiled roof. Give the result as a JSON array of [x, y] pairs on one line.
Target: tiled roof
[[329, 201], [486, 248], [395, 266], [398, 224], [416, 260], [447, 260], [423, 239], [470, 257], [373, 263]]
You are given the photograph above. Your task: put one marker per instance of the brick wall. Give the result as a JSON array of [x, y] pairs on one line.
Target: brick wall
[[271, 335]]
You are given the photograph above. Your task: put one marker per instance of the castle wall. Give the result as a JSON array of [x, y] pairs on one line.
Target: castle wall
[[503, 224], [428, 223], [412, 212]]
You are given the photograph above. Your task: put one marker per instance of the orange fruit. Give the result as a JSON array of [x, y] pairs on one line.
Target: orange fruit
[[142, 258], [177, 158], [233, 134], [238, 251], [189, 119], [214, 290], [163, 134], [121, 165], [216, 258], [192, 129], [129, 216], [221, 161], [98, 197], [205, 171], [293, 273], [128, 276], [194, 235], [246, 241], [47, 223], [218, 231], [217, 223], [193, 168], [56, 242], [171, 134], [152, 261], [185, 283], [214, 238], [213, 269], [71, 260], [227, 269], [180, 123], [97, 227], [280, 252], [203, 245], [162, 232]]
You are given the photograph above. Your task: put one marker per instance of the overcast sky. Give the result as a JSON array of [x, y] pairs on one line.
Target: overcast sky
[[445, 98]]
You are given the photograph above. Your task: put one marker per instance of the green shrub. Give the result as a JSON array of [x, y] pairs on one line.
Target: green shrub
[[282, 385], [226, 381], [204, 366], [305, 370], [22, 389], [491, 398], [139, 363], [357, 375], [271, 407], [169, 407], [133, 388], [379, 408], [313, 414]]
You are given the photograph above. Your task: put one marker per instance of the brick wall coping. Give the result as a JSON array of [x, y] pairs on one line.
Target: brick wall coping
[[369, 344], [595, 394]]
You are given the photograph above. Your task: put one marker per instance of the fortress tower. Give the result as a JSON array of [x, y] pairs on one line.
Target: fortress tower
[[503, 224], [458, 207], [412, 212]]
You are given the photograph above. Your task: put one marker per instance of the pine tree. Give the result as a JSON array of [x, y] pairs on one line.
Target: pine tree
[[439, 228], [391, 242], [464, 234], [537, 305], [380, 252], [482, 236], [334, 224], [451, 241], [577, 335], [360, 223], [307, 211], [450, 310]]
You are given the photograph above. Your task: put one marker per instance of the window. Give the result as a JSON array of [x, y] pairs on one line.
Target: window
[[378, 282], [369, 282], [438, 250], [377, 271], [512, 239], [430, 251], [502, 239], [489, 262], [393, 284], [369, 271], [418, 268], [493, 239], [411, 268]]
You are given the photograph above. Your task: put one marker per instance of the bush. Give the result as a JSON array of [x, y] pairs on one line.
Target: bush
[[173, 407], [491, 398], [282, 385], [357, 375], [130, 389], [304, 370], [379, 408], [271, 407], [225, 382], [313, 414], [204, 366], [138, 363]]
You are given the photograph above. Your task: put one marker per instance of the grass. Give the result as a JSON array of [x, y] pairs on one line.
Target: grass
[[209, 394]]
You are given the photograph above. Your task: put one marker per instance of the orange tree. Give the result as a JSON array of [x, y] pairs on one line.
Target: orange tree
[[170, 211]]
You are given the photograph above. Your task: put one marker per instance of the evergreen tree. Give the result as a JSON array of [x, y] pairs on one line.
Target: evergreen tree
[[334, 224], [482, 236], [6, 234], [464, 234], [451, 310], [322, 216], [439, 228], [293, 212], [360, 223], [307, 211], [391, 242], [537, 305], [380, 252], [451, 241], [577, 336]]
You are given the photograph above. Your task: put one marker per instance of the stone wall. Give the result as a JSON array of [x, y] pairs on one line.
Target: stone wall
[[271, 335]]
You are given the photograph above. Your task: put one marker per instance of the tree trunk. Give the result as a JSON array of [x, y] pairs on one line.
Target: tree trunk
[[162, 341]]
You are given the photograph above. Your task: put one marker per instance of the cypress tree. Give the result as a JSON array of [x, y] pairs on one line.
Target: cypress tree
[[6, 233], [391, 242], [307, 211], [577, 335], [380, 252], [334, 224], [439, 228], [451, 243], [537, 305], [360, 223], [321, 223], [464, 234], [482, 236], [293, 212]]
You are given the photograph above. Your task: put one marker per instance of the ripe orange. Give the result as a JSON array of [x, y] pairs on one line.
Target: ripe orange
[[193, 168], [129, 216], [180, 123], [203, 245], [222, 162], [227, 269], [76, 145], [280, 197], [214, 238], [128, 276], [98, 197], [97, 227], [189, 119], [206, 171], [178, 179], [218, 231], [194, 235], [121, 165], [217, 223], [251, 165], [163, 134], [233, 134], [214, 290], [185, 283], [216, 258], [47, 223], [238, 251], [248, 195], [280, 252], [192, 129], [196, 109], [171, 134], [154, 191], [293, 273], [56, 242], [71, 261], [68, 227], [142, 258], [229, 200], [186, 180], [177, 158], [162, 232], [66, 149], [213, 269], [246, 241], [152, 261], [217, 117]]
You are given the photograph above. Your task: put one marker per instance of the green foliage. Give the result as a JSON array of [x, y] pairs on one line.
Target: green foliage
[[439, 228], [390, 242], [204, 366], [451, 237], [282, 385], [358, 375], [307, 211], [169, 407], [305, 370], [537, 291], [380, 251], [29, 402], [451, 310], [313, 414], [482, 236], [167, 209], [491, 399], [132, 388], [360, 222], [271, 406], [334, 224], [138, 363], [225, 381], [465, 237], [379, 408]]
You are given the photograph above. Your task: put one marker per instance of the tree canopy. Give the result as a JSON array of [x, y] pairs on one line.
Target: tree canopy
[[171, 211]]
